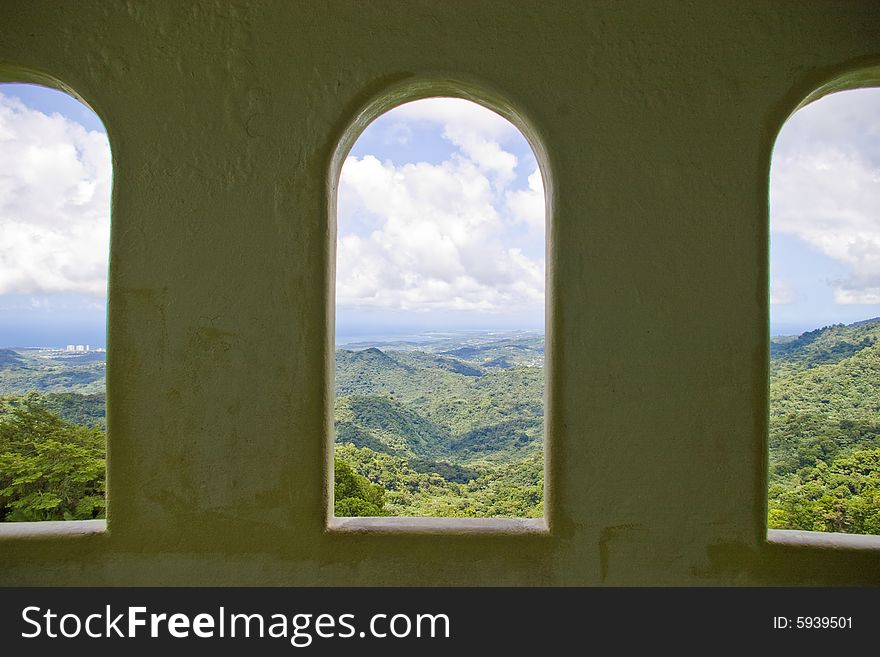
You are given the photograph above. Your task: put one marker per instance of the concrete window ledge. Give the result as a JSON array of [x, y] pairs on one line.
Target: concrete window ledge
[[452, 526], [51, 529], [823, 540]]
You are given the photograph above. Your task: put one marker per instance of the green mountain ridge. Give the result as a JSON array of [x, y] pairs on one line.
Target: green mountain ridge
[[829, 344], [391, 426], [824, 428], [48, 371], [10, 359], [441, 428]]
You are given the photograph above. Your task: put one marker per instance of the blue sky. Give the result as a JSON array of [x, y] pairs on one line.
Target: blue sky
[[440, 222], [55, 179], [50, 101], [825, 214]]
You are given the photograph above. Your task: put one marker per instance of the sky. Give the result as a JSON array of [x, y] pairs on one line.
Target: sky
[[440, 224], [825, 214], [55, 178], [440, 220]]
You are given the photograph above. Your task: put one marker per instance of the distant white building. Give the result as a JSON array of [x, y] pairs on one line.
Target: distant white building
[[80, 347], [70, 347]]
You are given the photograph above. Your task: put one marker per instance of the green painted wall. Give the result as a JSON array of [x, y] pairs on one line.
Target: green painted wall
[[657, 120]]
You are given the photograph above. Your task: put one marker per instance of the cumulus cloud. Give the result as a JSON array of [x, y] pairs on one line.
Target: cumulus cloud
[[825, 187], [781, 293], [398, 133], [423, 236], [527, 205], [55, 179], [458, 116], [475, 130]]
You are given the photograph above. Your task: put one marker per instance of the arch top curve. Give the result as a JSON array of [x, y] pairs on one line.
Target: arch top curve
[[411, 90], [18, 74], [442, 303], [845, 77], [855, 78]]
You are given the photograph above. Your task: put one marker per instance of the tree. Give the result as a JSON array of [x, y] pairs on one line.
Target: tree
[[49, 469], [354, 494], [840, 496]]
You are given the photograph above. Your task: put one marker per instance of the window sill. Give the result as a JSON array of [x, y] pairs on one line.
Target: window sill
[[51, 529], [822, 540], [451, 526]]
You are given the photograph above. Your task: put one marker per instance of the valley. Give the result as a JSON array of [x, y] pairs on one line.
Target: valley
[[452, 425]]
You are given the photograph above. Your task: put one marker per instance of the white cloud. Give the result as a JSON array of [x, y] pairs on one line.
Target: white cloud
[[55, 179], [781, 293], [458, 116], [399, 133], [437, 237], [825, 187], [527, 205], [477, 131], [869, 295]]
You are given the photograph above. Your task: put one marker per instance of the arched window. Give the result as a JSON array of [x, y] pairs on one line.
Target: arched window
[[55, 179], [824, 462], [440, 274]]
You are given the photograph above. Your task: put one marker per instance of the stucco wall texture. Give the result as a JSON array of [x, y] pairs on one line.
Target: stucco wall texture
[[655, 123]]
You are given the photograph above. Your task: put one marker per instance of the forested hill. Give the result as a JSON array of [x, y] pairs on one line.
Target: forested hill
[[443, 429], [823, 346], [452, 425], [51, 370], [68, 384], [825, 429], [416, 403], [440, 425]]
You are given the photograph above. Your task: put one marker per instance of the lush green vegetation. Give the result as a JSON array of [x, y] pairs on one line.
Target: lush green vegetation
[[52, 442], [50, 469], [825, 430], [47, 371], [354, 494], [454, 427], [513, 490], [447, 427]]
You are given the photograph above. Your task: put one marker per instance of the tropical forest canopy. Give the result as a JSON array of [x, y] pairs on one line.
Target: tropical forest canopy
[[453, 426]]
